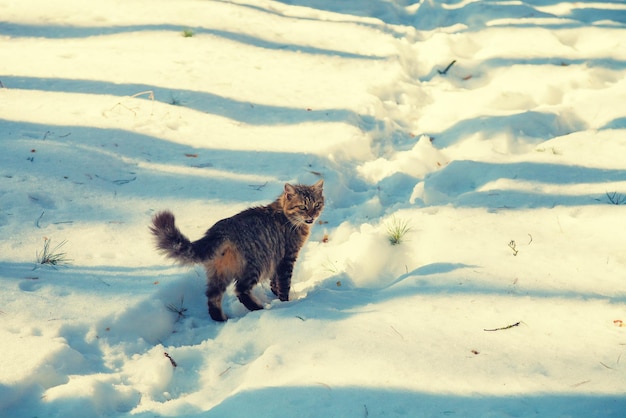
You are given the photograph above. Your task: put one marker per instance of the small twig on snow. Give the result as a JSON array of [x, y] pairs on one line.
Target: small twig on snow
[[174, 364], [396, 331], [149, 93], [39, 219], [325, 385], [118, 182], [503, 328], [105, 283], [257, 187], [608, 367], [445, 71]]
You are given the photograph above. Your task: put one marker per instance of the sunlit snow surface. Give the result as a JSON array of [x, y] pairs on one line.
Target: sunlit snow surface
[[495, 131]]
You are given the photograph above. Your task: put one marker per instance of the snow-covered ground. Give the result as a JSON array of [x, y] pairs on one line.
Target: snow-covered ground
[[494, 130]]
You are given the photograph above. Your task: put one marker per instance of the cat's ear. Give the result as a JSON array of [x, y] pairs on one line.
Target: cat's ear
[[289, 191], [319, 185]]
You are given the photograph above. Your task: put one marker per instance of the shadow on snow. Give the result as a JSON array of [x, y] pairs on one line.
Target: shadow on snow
[[458, 183], [328, 302], [351, 401], [122, 163], [65, 32], [246, 112], [474, 15]]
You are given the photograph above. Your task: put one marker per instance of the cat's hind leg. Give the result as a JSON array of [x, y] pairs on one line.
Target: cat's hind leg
[[225, 265], [214, 292]]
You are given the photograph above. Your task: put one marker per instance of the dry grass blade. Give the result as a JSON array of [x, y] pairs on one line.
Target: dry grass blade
[[52, 256], [180, 310]]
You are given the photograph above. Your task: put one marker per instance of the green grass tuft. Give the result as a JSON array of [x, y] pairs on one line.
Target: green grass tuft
[[396, 230]]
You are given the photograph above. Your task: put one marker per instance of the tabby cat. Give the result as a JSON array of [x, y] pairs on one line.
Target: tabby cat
[[259, 243]]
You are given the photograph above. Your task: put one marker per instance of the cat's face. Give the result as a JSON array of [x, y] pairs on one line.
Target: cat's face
[[303, 204]]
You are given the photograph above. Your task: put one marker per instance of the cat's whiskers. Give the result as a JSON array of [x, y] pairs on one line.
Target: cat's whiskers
[[290, 224], [296, 223]]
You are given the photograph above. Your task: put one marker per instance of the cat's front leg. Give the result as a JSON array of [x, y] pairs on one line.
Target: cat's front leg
[[243, 287], [281, 283]]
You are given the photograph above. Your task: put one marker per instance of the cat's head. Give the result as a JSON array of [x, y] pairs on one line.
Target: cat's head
[[302, 204]]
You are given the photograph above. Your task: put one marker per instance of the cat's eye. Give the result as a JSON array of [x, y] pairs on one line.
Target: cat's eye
[[318, 205], [302, 207]]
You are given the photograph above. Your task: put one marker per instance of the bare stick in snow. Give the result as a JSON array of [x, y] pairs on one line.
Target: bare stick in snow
[[170, 359], [149, 93], [257, 187], [503, 328], [39, 219], [396, 331], [445, 71]]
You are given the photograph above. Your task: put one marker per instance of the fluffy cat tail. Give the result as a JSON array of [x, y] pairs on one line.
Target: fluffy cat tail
[[171, 241]]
